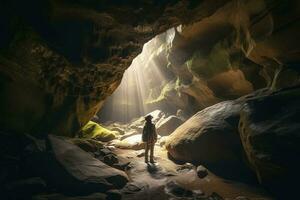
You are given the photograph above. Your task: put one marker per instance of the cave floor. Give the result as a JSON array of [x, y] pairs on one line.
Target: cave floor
[[168, 180]]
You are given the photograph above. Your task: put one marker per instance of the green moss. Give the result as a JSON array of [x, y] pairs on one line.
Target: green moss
[[178, 84], [207, 66], [169, 87], [94, 130]]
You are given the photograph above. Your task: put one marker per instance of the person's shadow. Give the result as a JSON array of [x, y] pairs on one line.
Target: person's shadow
[[152, 168]]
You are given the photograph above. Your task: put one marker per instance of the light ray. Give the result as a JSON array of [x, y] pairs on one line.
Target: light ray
[[144, 79]]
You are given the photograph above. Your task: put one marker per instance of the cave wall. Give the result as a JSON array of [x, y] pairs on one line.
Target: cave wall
[[59, 60], [242, 47], [233, 52]]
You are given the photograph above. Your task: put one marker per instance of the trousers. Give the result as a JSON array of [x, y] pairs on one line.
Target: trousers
[[149, 147]]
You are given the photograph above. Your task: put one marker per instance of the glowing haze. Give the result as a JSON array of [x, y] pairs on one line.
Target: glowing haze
[[141, 84]]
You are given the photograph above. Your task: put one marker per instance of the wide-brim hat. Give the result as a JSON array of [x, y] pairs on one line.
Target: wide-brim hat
[[148, 117]]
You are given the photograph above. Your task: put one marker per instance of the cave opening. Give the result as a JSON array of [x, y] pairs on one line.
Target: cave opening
[[218, 81], [148, 84]]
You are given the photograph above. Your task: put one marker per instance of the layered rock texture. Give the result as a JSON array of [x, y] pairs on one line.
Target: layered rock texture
[[61, 59], [211, 138], [259, 131], [243, 46], [269, 130]]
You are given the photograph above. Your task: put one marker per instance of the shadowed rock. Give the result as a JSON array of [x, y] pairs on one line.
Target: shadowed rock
[[78, 172], [168, 125], [211, 138], [270, 132]]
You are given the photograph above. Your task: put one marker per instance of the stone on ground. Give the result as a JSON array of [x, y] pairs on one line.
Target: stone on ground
[[77, 171], [168, 125], [89, 145], [201, 171]]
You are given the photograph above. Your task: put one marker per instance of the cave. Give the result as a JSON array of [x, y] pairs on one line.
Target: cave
[[88, 88]]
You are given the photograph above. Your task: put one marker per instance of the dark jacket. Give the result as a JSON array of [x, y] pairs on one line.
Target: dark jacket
[[149, 133]]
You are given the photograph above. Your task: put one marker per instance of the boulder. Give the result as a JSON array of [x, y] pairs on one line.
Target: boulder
[[77, 171], [95, 131], [132, 142], [201, 171], [211, 138], [270, 133], [162, 141], [168, 125], [129, 134], [127, 145], [22, 189], [174, 189], [139, 123], [114, 195], [88, 145]]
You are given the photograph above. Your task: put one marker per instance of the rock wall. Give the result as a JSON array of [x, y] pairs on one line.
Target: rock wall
[[59, 60], [259, 131]]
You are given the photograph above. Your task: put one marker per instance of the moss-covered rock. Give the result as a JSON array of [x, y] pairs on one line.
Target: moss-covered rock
[[95, 131]]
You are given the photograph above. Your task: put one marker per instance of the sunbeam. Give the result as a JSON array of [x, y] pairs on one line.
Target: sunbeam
[[142, 83]]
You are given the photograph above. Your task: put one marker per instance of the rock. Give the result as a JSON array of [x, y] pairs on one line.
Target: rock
[[211, 138], [105, 151], [25, 188], [122, 164], [157, 115], [185, 167], [78, 172], [270, 130], [126, 145], [97, 132], [168, 125], [88, 145], [139, 123], [113, 195], [140, 153], [162, 141], [134, 187], [172, 188], [110, 159], [120, 130], [201, 171], [129, 134], [95, 118], [133, 142], [94, 196], [215, 196]]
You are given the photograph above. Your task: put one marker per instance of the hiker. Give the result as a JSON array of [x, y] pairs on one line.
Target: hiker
[[149, 136]]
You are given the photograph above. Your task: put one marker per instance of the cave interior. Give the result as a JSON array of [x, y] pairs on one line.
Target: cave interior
[[220, 79]]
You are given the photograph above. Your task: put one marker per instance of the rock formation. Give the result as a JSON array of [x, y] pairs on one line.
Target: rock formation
[[269, 130], [263, 126]]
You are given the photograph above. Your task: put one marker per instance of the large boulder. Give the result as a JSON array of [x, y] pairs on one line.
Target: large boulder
[[94, 130], [168, 125], [211, 138], [77, 171], [270, 132]]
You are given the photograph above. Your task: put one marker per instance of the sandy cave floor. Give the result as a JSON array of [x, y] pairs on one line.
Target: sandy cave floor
[[153, 180]]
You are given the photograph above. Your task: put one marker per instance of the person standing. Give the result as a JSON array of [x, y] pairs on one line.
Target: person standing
[[149, 137]]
